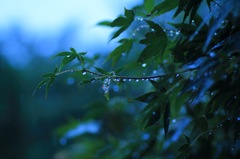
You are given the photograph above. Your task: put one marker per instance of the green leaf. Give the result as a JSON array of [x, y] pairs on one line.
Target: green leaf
[[149, 4], [104, 23], [73, 50], [81, 60], [40, 84], [67, 59], [122, 22], [117, 33], [129, 15], [62, 54], [156, 42], [116, 54], [165, 6], [166, 119], [148, 97], [102, 71], [184, 148], [187, 138], [49, 84]]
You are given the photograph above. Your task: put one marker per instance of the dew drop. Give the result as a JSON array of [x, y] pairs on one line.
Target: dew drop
[[177, 75], [212, 54], [143, 79], [144, 65], [129, 79], [137, 80], [178, 32], [193, 21], [124, 80], [154, 71], [174, 121], [238, 118], [84, 73], [215, 34], [152, 30]]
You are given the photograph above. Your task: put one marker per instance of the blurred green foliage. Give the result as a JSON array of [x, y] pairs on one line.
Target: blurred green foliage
[[171, 91]]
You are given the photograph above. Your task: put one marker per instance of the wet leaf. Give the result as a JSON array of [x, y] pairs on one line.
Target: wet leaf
[[116, 54], [165, 6], [166, 119], [184, 148], [156, 42]]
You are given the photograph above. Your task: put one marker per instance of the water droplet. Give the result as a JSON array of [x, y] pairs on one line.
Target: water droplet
[[129, 79], [143, 79], [210, 133], [174, 121], [124, 54], [238, 118], [153, 113], [154, 72], [137, 80], [152, 30], [177, 75], [193, 21], [124, 80], [212, 54], [194, 88], [178, 32], [84, 73], [215, 34], [133, 34], [140, 19], [144, 65]]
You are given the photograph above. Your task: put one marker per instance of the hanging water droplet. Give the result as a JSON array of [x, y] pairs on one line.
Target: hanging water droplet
[[193, 21], [152, 30], [124, 80], [174, 121], [215, 34], [212, 54], [143, 79], [154, 72], [84, 73], [177, 75], [129, 79], [140, 19], [137, 80], [178, 32], [144, 65]]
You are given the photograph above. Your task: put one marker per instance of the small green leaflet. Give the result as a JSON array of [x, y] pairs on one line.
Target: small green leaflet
[[122, 22], [70, 56], [125, 47], [48, 81]]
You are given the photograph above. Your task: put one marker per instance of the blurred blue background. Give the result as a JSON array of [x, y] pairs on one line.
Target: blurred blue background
[[31, 32]]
